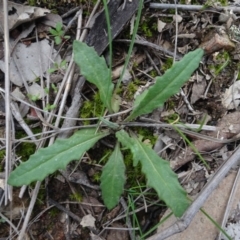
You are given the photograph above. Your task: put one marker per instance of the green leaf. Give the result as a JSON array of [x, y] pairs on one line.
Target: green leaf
[[60, 33], [59, 26], [113, 178], [58, 40], [116, 101], [51, 70], [166, 85], [53, 32], [63, 63], [158, 173], [95, 70], [47, 160]]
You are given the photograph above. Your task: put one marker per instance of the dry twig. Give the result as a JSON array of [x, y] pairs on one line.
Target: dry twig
[[192, 7]]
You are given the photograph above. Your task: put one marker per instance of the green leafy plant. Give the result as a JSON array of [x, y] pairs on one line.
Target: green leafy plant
[[50, 107], [58, 33], [34, 98], [157, 170], [58, 66]]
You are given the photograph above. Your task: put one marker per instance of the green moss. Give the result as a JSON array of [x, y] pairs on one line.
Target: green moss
[[135, 65], [238, 69], [25, 149], [32, 2], [221, 62], [171, 104], [106, 154], [222, 56], [133, 173], [168, 64], [93, 108], [96, 177], [53, 212], [2, 156], [76, 197], [153, 73], [119, 91], [171, 11], [146, 134], [41, 194], [146, 30], [224, 2], [131, 90], [147, 27], [166, 19]]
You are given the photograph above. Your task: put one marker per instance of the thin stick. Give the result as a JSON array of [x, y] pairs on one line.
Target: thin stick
[[151, 45], [21, 121], [29, 211], [84, 33], [65, 15], [230, 202], [60, 207], [70, 76], [192, 7], [128, 220], [9, 222], [7, 98], [176, 29]]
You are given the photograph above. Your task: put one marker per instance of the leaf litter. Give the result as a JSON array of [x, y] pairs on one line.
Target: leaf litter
[[203, 102]]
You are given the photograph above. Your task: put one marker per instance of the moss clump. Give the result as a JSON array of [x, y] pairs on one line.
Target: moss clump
[[25, 149], [148, 27], [131, 90], [220, 63], [92, 108], [32, 2], [153, 73], [53, 212], [146, 135], [2, 157], [167, 19], [171, 104], [76, 197], [134, 173], [168, 64], [2, 154], [96, 177], [41, 194], [106, 154], [224, 2]]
